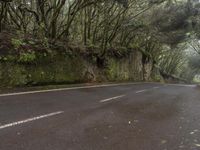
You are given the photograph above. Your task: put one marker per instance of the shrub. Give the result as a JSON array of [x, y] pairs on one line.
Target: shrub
[[27, 57], [17, 43]]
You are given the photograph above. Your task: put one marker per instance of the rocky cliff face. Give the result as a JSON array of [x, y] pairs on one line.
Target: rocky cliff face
[[32, 62], [65, 69]]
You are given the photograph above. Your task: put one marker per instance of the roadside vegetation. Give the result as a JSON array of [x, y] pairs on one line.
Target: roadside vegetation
[[103, 32]]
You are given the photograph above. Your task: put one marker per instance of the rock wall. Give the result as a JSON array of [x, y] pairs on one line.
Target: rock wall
[[129, 68], [65, 69]]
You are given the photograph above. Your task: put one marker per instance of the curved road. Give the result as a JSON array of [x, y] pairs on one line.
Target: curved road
[[146, 116]]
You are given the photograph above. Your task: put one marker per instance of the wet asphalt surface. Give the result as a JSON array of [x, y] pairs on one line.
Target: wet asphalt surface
[[162, 117]]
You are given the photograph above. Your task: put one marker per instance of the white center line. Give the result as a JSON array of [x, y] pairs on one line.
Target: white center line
[[66, 89], [156, 87], [181, 85], [141, 91], [145, 90], [30, 120], [112, 98]]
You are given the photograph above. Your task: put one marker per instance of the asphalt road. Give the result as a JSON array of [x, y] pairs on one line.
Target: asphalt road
[[147, 116]]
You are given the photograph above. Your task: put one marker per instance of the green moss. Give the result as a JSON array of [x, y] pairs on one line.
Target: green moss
[[27, 57], [17, 43], [112, 71], [118, 70], [62, 69], [12, 75]]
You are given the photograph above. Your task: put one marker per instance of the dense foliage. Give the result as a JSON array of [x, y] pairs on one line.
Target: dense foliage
[[161, 29]]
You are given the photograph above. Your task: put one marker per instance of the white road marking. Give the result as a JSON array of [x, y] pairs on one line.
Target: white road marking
[[182, 85], [30, 120], [156, 87], [141, 91], [66, 89], [145, 90], [83, 87], [112, 98]]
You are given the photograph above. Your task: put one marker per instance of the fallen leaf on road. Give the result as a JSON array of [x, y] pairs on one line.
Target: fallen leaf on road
[[181, 146], [198, 145], [191, 133], [163, 141]]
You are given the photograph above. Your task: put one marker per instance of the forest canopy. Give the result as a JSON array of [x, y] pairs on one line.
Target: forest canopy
[[163, 30]]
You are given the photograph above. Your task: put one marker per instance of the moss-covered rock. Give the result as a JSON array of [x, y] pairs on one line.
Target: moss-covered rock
[[62, 69], [12, 75]]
